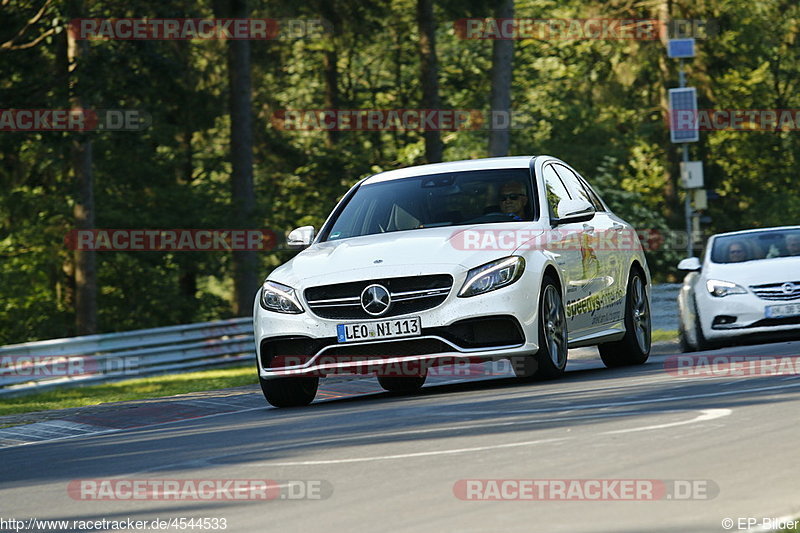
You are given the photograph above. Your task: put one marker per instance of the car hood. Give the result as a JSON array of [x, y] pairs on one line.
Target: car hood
[[401, 253], [776, 270]]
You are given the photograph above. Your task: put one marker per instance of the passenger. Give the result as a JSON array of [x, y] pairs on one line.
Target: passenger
[[793, 244]]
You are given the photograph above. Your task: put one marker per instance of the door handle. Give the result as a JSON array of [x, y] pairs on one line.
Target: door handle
[[588, 229], [617, 227]]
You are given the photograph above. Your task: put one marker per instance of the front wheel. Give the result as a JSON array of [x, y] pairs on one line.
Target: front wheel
[[702, 343], [683, 341], [634, 347], [551, 359], [289, 392]]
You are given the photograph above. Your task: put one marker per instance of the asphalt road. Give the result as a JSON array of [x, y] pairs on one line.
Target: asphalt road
[[382, 462]]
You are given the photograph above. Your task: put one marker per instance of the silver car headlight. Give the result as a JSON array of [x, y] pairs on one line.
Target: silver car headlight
[[280, 298], [491, 276], [721, 288]]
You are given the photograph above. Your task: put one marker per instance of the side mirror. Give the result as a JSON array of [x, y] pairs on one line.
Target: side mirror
[[573, 211], [690, 264], [300, 237]]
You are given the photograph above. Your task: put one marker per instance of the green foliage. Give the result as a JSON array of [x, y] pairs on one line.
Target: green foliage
[[598, 104]]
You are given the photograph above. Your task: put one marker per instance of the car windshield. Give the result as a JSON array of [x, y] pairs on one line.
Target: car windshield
[[452, 199], [756, 246]]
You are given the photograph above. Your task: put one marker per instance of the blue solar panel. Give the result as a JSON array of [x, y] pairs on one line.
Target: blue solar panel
[[678, 48], [683, 115]]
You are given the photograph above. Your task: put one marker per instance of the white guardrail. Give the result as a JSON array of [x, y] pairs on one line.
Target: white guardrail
[[93, 359]]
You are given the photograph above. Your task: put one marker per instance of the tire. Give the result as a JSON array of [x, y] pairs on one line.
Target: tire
[[634, 347], [702, 343], [289, 392], [550, 360], [683, 342], [402, 383]]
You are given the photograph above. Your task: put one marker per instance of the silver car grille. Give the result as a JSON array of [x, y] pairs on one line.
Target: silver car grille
[[408, 294], [787, 290]]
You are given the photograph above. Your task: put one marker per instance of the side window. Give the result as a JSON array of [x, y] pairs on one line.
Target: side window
[[576, 187], [554, 189], [596, 201]]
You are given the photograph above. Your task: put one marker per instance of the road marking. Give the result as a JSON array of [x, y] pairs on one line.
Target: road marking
[[432, 410], [617, 404], [708, 414], [416, 454]]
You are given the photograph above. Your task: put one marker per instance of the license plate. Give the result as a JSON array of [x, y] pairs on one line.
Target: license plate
[[781, 311], [385, 329]]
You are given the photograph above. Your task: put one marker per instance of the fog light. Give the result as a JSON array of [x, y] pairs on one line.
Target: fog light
[[721, 320]]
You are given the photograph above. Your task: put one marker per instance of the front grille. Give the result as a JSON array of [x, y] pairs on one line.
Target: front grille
[[775, 291], [409, 295]]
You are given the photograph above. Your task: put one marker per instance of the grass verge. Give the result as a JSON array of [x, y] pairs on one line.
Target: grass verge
[[134, 389], [663, 335], [158, 386]]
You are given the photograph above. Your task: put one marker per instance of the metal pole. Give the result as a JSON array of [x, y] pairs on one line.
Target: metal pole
[[688, 209], [687, 202]]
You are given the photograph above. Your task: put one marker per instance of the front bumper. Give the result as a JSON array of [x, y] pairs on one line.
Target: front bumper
[[741, 315], [494, 325]]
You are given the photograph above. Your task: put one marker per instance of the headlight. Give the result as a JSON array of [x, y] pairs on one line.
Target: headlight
[[279, 298], [492, 276], [724, 288]]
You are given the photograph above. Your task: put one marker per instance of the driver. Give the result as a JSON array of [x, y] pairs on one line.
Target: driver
[[513, 199], [737, 252]]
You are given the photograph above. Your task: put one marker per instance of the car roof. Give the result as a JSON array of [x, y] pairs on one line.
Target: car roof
[[755, 230], [488, 163]]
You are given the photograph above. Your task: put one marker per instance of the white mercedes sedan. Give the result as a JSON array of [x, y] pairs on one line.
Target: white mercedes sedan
[[746, 287], [506, 258]]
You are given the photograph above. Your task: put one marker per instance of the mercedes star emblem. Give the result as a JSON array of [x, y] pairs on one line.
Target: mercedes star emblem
[[375, 300]]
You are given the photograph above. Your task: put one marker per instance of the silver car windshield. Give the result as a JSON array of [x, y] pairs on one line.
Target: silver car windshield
[[452, 199], [756, 246]]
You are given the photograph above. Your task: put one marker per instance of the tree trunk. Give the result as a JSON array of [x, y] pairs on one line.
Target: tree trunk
[[672, 169], [429, 74], [500, 99], [245, 263], [83, 210], [330, 66]]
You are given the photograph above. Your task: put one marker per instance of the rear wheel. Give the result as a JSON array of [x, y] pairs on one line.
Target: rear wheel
[[551, 359], [634, 347], [289, 392]]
